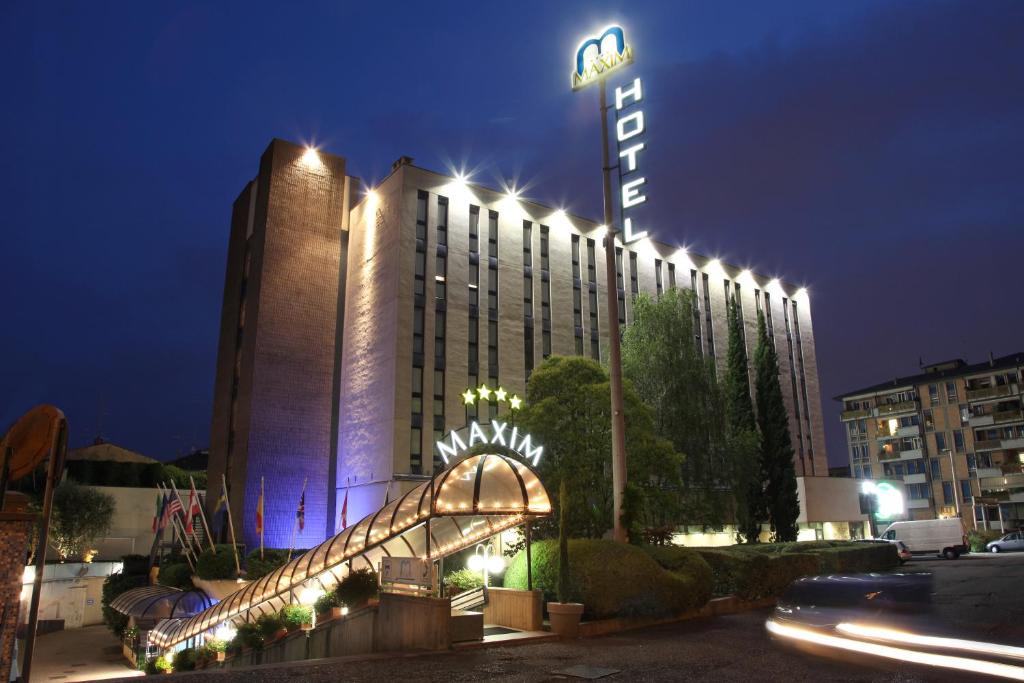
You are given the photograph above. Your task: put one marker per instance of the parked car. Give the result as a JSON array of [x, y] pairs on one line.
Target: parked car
[[945, 537], [1011, 541]]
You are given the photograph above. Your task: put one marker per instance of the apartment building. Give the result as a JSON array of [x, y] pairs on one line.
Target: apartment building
[[355, 318], [953, 433]]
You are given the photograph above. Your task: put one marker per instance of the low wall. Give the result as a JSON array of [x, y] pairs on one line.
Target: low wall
[[408, 622], [516, 609]]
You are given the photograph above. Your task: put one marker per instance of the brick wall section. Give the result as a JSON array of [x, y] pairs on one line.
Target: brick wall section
[[14, 528]]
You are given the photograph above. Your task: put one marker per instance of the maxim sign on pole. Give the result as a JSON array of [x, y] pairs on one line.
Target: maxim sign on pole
[[596, 57]]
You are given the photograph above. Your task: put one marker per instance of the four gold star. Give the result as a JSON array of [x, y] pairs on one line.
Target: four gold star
[[485, 393], [469, 398], [515, 402], [500, 394]]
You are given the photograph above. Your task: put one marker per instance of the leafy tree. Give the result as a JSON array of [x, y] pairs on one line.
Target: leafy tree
[[748, 471], [80, 515], [568, 410], [661, 358], [780, 490]]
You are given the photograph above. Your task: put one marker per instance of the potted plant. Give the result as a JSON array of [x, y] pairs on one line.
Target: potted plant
[[357, 589], [328, 606], [272, 627], [216, 649], [248, 636], [163, 665], [565, 615], [295, 617]]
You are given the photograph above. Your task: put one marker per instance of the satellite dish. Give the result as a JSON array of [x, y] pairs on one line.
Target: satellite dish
[[31, 438]]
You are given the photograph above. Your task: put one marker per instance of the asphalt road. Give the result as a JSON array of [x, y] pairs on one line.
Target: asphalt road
[[976, 598]]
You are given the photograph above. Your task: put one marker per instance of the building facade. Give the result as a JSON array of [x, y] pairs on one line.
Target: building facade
[[355, 319], [954, 434]]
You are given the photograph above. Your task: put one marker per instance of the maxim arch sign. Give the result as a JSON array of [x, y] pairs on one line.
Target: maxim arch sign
[[459, 442], [599, 55]]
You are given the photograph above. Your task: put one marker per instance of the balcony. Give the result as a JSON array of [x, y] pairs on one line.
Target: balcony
[[854, 414], [1007, 482], [988, 445], [896, 408], [988, 393], [1012, 415], [917, 478], [918, 504], [989, 472], [979, 420], [907, 454]]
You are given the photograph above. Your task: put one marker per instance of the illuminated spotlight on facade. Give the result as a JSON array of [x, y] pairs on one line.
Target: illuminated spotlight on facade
[[344, 356]]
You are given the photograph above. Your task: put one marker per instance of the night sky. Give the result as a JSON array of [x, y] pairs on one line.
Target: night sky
[[873, 151]]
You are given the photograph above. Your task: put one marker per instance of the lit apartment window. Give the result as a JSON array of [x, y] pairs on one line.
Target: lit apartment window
[[545, 293], [595, 337], [671, 276], [657, 277], [620, 285], [528, 297]]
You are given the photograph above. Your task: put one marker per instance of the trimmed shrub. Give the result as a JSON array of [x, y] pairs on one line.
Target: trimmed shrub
[[977, 538], [212, 566], [462, 580], [859, 557], [273, 558], [610, 579], [113, 586], [185, 660], [736, 572], [785, 568], [178, 575], [294, 616], [687, 565], [135, 565], [248, 635], [357, 588]]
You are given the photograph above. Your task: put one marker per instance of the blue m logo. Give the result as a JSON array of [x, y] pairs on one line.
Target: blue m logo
[[595, 57]]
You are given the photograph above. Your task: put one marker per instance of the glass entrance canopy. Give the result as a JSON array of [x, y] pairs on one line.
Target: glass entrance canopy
[[473, 499]]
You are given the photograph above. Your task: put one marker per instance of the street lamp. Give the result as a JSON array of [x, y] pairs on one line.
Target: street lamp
[[484, 560], [308, 597]]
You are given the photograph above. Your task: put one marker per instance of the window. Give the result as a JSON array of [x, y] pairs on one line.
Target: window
[[936, 466], [671, 276], [657, 277], [577, 296], [528, 297], [620, 286], [634, 276], [867, 472], [965, 489], [492, 234], [940, 442], [707, 315], [933, 393], [421, 215], [958, 440], [473, 364], [595, 338], [696, 313], [947, 493], [442, 220], [972, 462], [929, 423], [439, 422], [474, 229], [951, 392], [544, 255]]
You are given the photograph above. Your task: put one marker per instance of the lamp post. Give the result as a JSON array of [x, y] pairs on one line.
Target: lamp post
[[484, 560]]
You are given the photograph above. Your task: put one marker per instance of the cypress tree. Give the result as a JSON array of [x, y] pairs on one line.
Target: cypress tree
[[781, 496], [748, 471]]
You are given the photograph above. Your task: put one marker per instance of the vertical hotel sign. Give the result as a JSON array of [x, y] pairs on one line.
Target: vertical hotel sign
[[596, 57]]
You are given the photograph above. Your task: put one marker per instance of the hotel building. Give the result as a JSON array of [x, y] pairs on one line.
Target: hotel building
[[354, 319], [954, 434]]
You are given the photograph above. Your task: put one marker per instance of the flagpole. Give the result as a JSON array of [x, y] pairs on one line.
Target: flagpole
[[186, 547], [231, 524], [263, 515], [202, 516], [182, 504]]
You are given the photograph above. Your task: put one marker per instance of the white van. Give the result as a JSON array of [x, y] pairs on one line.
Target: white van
[[945, 537]]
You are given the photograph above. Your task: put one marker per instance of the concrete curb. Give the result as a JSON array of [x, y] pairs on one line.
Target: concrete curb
[[716, 607]]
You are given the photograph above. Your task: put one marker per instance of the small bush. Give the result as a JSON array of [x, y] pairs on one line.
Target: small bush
[[858, 558], [185, 660], [135, 565], [273, 558], [268, 625], [161, 665], [687, 565], [113, 586], [212, 566], [462, 580], [736, 572], [325, 602], [178, 575], [294, 616], [214, 646], [977, 538], [610, 579], [358, 587]]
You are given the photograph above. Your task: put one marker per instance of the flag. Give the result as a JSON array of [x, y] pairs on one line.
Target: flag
[[344, 511], [220, 512], [158, 514], [300, 513], [190, 513], [165, 512], [259, 511], [173, 506]]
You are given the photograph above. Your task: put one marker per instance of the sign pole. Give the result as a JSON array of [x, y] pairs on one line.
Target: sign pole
[[614, 347], [231, 526]]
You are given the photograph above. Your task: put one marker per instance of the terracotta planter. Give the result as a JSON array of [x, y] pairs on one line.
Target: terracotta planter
[[306, 627], [280, 633], [221, 656], [565, 618], [335, 613]]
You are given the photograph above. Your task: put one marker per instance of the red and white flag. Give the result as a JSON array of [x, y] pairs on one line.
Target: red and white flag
[[192, 512], [344, 511]]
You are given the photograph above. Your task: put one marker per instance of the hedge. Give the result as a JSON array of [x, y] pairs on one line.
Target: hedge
[[134, 474], [178, 575], [220, 565], [980, 537], [611, 579], [759, 571], [687, 565], [273, 558]]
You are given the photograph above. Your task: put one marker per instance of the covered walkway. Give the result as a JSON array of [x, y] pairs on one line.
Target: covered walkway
[[472, 500]]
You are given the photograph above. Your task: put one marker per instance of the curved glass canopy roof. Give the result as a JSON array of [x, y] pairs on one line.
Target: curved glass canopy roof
[[475, 498], [161, 602]]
